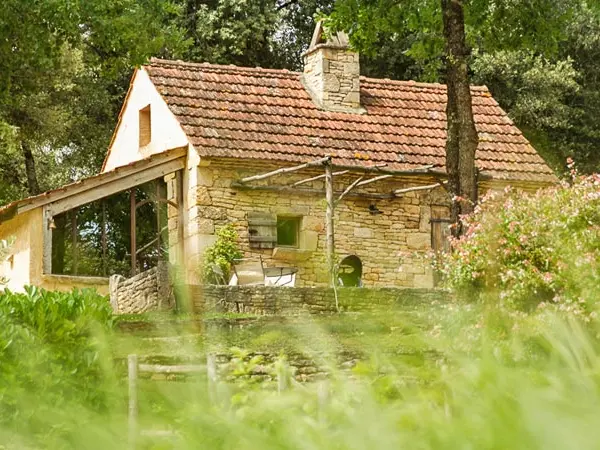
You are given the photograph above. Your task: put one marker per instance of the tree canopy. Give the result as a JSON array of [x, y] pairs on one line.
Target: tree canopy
[[538, 57], [65, 65]]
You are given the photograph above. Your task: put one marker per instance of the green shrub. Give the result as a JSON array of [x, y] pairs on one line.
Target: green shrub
[[219, 256], [49, 351], [532, 250]]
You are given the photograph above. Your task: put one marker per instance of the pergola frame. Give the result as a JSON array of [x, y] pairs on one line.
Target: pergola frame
[[101, 186], [327, 163]]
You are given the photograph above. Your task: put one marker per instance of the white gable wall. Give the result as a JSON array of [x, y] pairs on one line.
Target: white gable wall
[[166, 131]]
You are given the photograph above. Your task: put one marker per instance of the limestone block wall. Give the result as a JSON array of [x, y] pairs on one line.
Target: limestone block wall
[[147, 291], [269, 300], [390, 243]]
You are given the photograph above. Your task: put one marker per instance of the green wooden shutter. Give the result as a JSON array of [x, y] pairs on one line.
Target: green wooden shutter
[[262, 230]]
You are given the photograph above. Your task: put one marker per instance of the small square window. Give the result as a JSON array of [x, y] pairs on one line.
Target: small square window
[[288, 231], [145, 127]]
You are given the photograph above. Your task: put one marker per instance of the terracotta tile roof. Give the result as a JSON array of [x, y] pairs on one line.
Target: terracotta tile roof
[[255, 113]]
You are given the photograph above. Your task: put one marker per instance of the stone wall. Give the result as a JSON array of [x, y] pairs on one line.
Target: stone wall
[[332, 77], [387, 234], [147, 291], [269, 300]]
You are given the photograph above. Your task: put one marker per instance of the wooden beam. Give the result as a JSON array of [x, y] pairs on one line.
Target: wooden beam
[[132, 375], [373, 180], [113, 187], [74, 253], [153, 241], [318, 177], [308, 191], [329, 223], [96, 181], [47, 237], [349, 188], [132, 233], [317, 162], [179, 199], [423, 170], [104, 241], [418, 188], [159, 230]]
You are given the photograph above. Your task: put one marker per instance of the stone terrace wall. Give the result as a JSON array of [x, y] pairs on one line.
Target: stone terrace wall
[[270, 300], [147, 291]]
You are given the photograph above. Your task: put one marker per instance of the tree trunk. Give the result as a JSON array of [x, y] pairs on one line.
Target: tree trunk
[[462, 137], [32, 183]]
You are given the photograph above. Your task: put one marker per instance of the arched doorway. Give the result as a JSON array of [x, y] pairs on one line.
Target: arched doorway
[[350, 271]]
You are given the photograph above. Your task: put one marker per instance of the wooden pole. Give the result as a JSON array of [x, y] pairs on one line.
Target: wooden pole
[[74, 252], [329, 222], [418, 188], [349, 188], [211, 376], [282, 377], [318, 177], [310, 191], [417, 171], [132, 231], [180, 208], [132, 372], [104, 241], [157, 205], [316, 162], [372, 180]]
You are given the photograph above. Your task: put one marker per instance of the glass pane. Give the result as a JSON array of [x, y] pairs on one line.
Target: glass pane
[[287, 231]]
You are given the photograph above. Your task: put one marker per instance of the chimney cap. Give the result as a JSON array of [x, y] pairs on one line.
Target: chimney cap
[[338, 39]]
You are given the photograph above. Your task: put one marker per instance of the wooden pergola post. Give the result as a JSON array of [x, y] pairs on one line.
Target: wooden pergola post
[[132, 210], [329, 222], [104, 240]]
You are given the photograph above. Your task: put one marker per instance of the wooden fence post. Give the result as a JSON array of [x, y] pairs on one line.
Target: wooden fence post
[[282, 377], [322, 399], [132, 364], [211, 375]]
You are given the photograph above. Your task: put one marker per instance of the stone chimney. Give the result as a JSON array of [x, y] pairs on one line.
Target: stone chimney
[[332, 72]]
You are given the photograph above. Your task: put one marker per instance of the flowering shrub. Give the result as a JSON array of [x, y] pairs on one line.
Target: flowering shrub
[[533, 250]]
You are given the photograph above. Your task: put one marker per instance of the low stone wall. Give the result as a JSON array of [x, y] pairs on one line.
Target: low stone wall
[[271, 300], [147, 291]]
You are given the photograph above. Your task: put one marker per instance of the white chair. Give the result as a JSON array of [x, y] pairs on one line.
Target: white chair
[[248, 272]]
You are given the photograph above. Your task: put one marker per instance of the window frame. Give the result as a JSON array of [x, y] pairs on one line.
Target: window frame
[[296, 219], [145, 115]]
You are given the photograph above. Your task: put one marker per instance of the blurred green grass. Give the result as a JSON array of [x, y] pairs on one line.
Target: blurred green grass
[[431, 376]]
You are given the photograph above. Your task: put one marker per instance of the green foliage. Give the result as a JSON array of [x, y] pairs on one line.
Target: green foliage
[[65, 66], [49, 354], [233, 30], [219, 256], [483, 381], [537, 250], [5, 246], [539, 58]]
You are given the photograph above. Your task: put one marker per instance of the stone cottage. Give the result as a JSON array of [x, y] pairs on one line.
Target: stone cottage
[[257, 147]]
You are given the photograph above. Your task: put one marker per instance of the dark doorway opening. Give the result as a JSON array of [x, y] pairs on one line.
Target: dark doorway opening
[[350, 271]]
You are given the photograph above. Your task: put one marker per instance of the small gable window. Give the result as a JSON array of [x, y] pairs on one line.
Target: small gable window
[[288, 231], [145, 126]]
